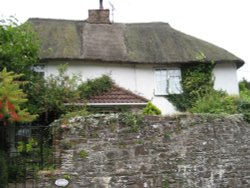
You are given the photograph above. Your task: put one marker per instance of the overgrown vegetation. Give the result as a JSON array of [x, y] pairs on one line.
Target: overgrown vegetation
[[215, 102], [218, 102], [19, 46], [199, 96], [57, 94], [151, 109], [197, 81], [95, 86], [50, 95], [244, 102], [131, 120]]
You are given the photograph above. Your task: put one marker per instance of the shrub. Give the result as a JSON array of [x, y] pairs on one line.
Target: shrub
[[151, 109], [244, 108], [216, 102], [3, 171], [95, 87]]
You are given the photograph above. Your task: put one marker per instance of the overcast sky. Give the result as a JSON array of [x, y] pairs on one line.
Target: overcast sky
[[225, 23]]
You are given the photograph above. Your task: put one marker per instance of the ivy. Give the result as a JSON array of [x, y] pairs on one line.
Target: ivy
[[197, 81]]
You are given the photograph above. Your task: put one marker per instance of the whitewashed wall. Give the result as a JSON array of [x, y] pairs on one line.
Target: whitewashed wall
[[140, 78], [226, 78]]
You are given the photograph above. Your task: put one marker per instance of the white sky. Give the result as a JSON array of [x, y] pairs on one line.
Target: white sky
[[225, 23]]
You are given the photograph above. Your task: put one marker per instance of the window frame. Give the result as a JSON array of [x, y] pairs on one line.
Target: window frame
[[159, 72]]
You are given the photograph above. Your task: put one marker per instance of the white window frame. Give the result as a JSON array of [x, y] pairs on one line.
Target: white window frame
[[167, 81]]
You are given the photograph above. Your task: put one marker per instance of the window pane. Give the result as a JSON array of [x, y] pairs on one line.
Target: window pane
[[174, 85], [167, 81], [174, 79], [160, 82]]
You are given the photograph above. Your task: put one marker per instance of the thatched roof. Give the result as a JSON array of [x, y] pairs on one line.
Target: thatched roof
[[156, 43]]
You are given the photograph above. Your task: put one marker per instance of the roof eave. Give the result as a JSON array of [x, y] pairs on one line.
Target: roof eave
[[106, 104]]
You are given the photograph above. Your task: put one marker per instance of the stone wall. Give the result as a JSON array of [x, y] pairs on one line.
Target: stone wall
[[168, 152]]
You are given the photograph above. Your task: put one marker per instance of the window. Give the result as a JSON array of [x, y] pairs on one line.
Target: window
[[167, 81]]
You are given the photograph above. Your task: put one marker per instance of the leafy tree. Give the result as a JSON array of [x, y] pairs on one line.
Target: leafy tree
[[19, 47], [48, 96]]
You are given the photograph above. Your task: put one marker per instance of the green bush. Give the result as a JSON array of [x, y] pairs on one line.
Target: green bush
[[151, 109], [244, 108], [216, 102], [3, 171], [95, 87]]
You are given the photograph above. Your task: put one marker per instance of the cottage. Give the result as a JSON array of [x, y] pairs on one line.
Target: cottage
[[144, 58]]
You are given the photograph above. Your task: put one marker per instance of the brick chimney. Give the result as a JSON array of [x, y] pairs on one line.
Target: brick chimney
[[99, 16]]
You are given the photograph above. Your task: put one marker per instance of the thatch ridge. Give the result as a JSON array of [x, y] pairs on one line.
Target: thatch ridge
[[156, 43]]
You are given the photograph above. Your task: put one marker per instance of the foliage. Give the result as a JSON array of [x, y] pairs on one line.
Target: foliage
[[48, 96], [19, 47], [244, 108], [244, 86], [132, 120], [216, 102], [27, 147], [3, 171], [12, 99], [83, 154], [16, 173], [197, 81], [95, 87], [244, 103], [83, 112], [151, 109]]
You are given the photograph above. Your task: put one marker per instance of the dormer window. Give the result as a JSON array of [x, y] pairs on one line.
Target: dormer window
[[167, 81]]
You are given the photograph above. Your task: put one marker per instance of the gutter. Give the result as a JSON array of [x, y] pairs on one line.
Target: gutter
[[106, 104]]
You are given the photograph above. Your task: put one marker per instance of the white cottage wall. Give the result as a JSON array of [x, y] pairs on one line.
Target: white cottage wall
[[140, 78], [226, 78], [136, 78]]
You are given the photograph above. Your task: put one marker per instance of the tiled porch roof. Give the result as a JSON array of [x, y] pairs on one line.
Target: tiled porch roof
[[117, 96]]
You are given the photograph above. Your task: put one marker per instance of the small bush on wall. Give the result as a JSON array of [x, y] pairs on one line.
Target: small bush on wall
[[151, 109]]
